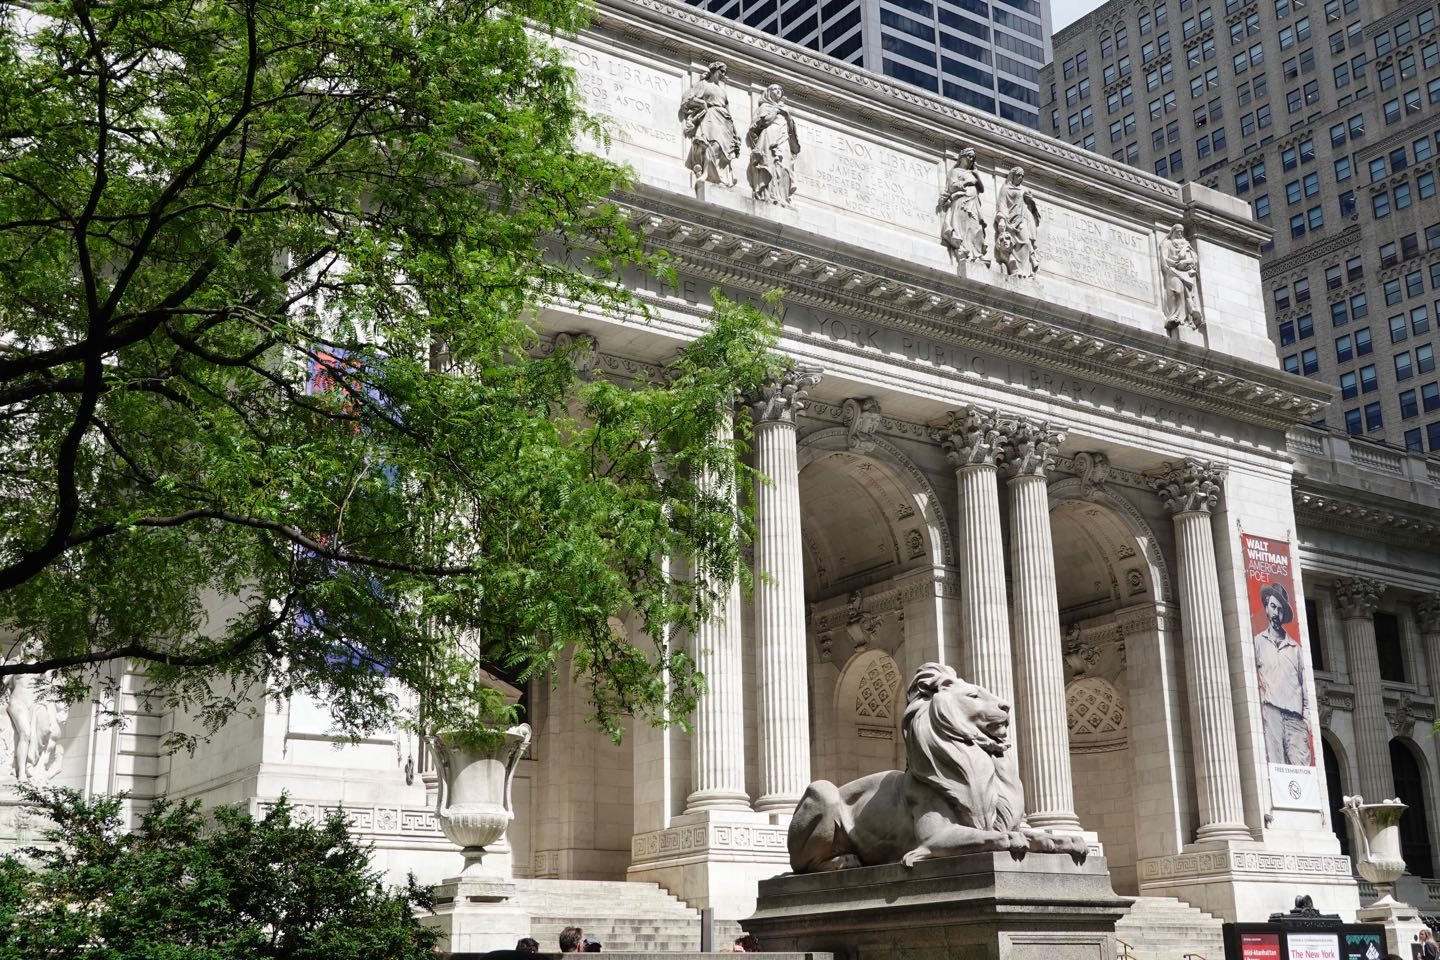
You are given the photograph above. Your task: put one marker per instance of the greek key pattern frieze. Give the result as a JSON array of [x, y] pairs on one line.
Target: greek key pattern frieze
[[768, 842]]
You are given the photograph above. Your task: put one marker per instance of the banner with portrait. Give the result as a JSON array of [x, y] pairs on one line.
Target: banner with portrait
[[1282, 665]]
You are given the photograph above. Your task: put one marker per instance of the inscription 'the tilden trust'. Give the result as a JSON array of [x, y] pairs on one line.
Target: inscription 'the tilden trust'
[[881, 341], [1100, 254]]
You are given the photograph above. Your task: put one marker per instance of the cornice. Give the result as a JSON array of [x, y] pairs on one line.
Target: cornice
[[870, 287], [1342, 510], [1309, 254]]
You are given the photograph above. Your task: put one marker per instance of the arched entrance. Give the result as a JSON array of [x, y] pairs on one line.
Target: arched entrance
[[1335, 790], [1409, 775]]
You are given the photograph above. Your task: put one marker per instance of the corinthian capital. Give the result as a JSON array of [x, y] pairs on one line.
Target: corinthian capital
[[1358, 597], [782, 398], [1188, 486], [1030, 446], [1427, 611], [971, 437]]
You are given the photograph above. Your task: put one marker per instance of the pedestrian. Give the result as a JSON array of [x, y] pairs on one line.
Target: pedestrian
[[747, 944], [1428, 948], [570, 939], [527, 945], [591, 945]]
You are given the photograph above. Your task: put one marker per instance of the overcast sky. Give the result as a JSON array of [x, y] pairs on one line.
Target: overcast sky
[[1066, 12]]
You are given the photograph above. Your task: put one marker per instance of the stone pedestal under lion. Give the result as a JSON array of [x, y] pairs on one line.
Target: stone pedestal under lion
[[937, 860]]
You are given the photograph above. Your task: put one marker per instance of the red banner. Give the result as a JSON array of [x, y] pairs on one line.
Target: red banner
[[1280, 657]]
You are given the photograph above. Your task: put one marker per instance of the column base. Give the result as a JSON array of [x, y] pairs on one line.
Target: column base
[[1244, 881], [476, 916], [702, 800], [713, 858], [781, 804], [1402, 923]]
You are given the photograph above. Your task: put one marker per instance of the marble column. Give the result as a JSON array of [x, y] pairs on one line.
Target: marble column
[[783, 701], [973, 443], [1358, 598], [717, 752], [1190, 489], [1042, 734]]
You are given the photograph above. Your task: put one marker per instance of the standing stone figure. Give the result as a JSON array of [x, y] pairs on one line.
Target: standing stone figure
[[1181, 270], [773, 146], [705, 114], [1016, 220], [963, 231], [34, 730]]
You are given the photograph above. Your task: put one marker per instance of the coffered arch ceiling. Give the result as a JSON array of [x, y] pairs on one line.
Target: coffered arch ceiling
[[1101, 564], [862, 523]]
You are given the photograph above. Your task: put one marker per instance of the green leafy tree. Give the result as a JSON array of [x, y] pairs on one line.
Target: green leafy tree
[[175, 889], [274, 406]]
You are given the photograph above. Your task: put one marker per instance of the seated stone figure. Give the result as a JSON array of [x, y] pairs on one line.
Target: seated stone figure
[[960, 792]]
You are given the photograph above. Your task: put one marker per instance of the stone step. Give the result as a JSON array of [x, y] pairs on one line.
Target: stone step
[[623, 916], [1165, 928]]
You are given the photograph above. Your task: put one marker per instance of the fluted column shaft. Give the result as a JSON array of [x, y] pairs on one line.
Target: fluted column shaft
[[1427, 615], [1358, 598], [972, 441], [1042, 735], [717, 754], [1190, 490], [783, 703]]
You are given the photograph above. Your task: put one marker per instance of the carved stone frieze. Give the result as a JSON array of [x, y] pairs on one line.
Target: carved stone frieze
[[780, 400], [1188, 486], [1331, 697], [1358, 597], [971, 437], [1030, 446], [1402, 715], [1344, 515], [861, 416]]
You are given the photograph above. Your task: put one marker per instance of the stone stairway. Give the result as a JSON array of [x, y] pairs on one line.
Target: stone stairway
[[626, 917], [1164, 928]]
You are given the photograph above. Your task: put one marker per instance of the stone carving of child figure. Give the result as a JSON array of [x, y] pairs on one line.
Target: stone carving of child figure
[[705, 114], [1016, 220], [1181, 270], [963, 231], [34, 728], [773, 146]]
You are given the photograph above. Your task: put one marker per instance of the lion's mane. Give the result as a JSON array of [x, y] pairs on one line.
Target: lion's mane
[[948, 750]]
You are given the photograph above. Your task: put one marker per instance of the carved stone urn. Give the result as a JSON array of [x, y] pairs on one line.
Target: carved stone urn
[[1378, 826], [473, 800]]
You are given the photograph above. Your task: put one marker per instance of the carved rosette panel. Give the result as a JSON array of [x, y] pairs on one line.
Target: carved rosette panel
[[1188, 486], [875, 697], [1095, 713], [971, 437], [1030, 446], [861, 416], [781, 399], [1427, 613], [1358, 597]]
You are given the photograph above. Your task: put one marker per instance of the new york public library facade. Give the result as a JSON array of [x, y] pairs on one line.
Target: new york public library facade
[[1067, 475]]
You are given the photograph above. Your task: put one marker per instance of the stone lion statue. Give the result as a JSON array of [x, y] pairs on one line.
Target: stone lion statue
[[960, 792]]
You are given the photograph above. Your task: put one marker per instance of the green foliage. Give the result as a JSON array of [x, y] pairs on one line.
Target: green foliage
[[245, 889], [271, 281]]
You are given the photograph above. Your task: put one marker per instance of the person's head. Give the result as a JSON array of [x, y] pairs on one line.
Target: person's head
[[570, 939], [591, 945], [1276, 601], [1177, 232], [967, 158], [747, 944], [715, 71], [1424, 934], [1017, 175], [774, 93], [527, 945]]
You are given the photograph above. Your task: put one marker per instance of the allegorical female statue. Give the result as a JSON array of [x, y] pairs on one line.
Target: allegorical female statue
[[1016, 220], [705, 114], [1182, 275], [963, 230], [773, 147]]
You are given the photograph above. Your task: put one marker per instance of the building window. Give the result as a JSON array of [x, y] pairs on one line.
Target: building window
[[1413, 443], [1409, 407], [1403, 369], [1389, 648], [1354, 426], [1374, 417]]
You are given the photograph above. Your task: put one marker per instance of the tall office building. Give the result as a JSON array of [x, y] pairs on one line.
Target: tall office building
[[985, 53], [1320, 114]]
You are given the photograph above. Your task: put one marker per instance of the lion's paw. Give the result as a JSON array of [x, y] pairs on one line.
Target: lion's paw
[[919, 853], [1018, 844]]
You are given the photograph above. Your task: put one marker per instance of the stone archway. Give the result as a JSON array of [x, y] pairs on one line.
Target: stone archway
[[874, 536], [869, 700], [1113, 589]]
